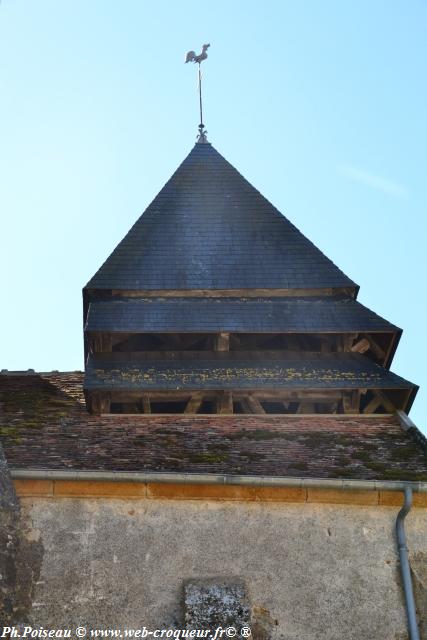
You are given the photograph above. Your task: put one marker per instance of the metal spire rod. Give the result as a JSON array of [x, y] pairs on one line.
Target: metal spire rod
[[191, 57], [201, 125]]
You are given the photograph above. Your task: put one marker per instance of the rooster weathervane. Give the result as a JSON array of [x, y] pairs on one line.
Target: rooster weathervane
[[192, 57]]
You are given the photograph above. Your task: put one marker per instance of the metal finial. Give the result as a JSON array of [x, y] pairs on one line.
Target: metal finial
[[191, 57]]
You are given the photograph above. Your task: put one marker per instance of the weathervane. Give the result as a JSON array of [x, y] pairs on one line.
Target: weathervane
[[191, 57]]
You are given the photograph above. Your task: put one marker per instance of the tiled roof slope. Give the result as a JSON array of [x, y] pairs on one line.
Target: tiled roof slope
[[281, 315], [209, 228], [44, 425], [239, 370]]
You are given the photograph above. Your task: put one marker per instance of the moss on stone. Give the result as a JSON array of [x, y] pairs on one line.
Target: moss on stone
[[300, 466], [376, 466], [208, 457], [258, 434], [405, 453], [342, 472], [252, 456], [403, 474], [363, 456]]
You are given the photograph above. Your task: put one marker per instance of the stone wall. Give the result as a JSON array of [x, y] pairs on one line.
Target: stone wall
[[307, 571], [9, 514], [20, 554]]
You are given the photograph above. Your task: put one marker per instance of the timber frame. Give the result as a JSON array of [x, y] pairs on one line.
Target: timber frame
[[376, 347], [344, 401]]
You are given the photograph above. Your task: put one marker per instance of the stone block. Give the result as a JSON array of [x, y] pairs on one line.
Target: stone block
[[216, 603]]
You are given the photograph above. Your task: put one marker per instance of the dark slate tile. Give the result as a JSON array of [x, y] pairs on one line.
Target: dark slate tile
[[208, 228], [281, 315]]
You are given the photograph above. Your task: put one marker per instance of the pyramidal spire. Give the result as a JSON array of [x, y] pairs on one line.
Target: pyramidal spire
[[198, 59], [210, 229]]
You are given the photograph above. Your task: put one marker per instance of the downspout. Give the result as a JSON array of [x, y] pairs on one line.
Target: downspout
[[404, 566]]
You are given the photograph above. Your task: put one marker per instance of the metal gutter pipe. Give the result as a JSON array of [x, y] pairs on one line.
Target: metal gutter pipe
[[404, 565], [214, 478]]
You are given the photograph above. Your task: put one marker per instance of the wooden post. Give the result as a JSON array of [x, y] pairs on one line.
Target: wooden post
[[351, 402], [225, 402], [194, 403], [255, 405], [222, 342], [100, 402], [146, 404]]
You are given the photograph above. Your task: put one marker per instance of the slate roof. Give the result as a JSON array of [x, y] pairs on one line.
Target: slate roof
[[44, 425], [209, 228], [281, 315], [238, 370]]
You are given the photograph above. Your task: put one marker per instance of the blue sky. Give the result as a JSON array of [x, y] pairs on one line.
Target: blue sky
[[320, 104]]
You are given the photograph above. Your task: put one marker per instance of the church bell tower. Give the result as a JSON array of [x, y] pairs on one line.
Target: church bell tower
[[214, 302]]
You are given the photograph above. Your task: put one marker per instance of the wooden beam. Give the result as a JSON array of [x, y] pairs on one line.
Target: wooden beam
[[222, 342], [372, 405], [295, 396], [101, 342], [340, 342], [334, 407], [194, 403], [349, 339], [390, 348], [351, 402], [160, 396], [230, 293], [375, 348], [100, 402], [146, 404], [225, 402], [361, 346], [385, 401], [307, 407], [254, 405], [379, 399], [245, 404]]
